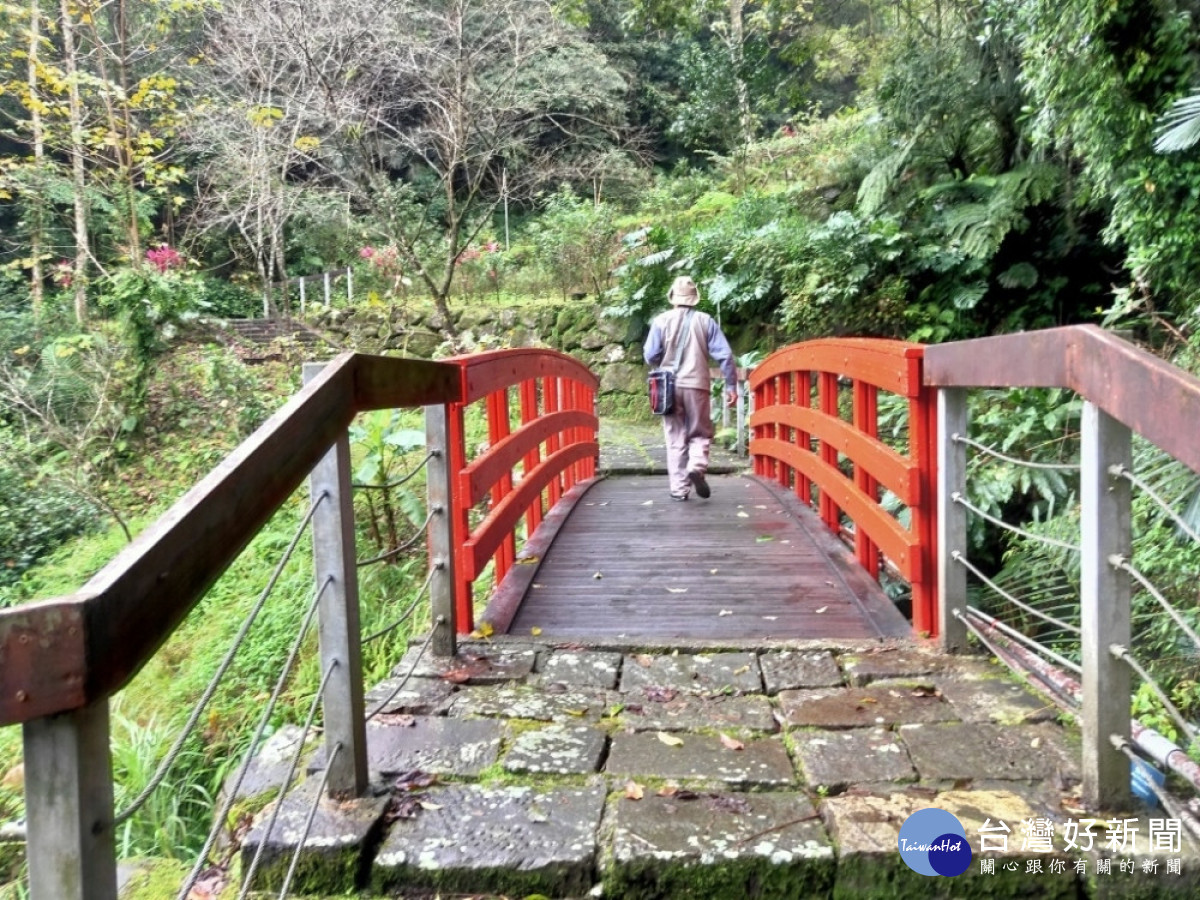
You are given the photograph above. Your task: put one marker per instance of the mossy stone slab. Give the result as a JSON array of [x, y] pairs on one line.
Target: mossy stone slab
[[694, 672], [719, 846], [762, 763], [789, 670], [507, 840]]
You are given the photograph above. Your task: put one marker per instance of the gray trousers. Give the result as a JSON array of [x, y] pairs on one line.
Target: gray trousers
[[689, 433]]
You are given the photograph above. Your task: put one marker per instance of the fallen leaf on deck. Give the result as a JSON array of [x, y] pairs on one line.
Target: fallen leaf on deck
[[713, 571], [648, 503], [676, 590], [731, 743], [725, 612], [536, 585], [763, 538], [535, 631], [743, 515], [669, 739], [528, 560], [770, 618], [486, 629], [633, 791], [821, 610], [597, 576]]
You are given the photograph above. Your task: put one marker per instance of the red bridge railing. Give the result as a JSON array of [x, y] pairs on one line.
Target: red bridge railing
[[815, 429], [540, 408]]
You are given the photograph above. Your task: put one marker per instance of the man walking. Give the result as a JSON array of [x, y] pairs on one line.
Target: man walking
[[689, 426]]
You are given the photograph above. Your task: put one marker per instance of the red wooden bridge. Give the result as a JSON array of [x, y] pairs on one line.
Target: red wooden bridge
[[849, 482]]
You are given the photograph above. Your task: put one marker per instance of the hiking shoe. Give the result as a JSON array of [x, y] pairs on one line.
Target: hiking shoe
[[698, 482], [679, 496]]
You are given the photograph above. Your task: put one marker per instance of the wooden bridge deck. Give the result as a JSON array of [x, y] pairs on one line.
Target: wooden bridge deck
[[751, 562]]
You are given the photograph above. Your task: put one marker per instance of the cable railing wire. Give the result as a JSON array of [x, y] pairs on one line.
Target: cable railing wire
[[264, 718], [1128, 658], [1033, 611], [248, 878], [1041, 538], [1123, 564], [407, 614], [1065, 702], [308, 821], [1029, 642], [402, 481], [396, 551], [441, 620], [1123, 472], [1024, 463], [239, 639]]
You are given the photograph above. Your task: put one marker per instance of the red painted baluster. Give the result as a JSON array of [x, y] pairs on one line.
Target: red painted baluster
[[828, 394], [550, 388], [803, 438], [498, 430], [866, 420], [529, 414], [460, 504], [922, 412]]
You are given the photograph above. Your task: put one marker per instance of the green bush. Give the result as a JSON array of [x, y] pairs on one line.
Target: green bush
[[34, 520]]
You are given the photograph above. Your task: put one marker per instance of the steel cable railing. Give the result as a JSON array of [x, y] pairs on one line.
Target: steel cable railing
[[408, 613], [244, 768], [1013, 460], [412, 669], [1007, 526], [396, 551], [239, 640], [285, 784], [308, 820], [401, 481]]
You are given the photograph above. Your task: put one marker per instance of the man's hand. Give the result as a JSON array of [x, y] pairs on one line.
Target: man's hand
[[731, 397]]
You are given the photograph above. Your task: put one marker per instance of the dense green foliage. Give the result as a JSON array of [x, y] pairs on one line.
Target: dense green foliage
[[922, 170]]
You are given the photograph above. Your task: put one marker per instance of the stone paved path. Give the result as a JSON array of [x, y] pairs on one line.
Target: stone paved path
[[523, 769]]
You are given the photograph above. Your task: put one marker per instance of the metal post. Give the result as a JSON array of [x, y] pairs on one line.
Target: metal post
[[441, 533], [69, 806], [302, 298], [349, 286], [327, 289], [340, 633], [1105, 590], [951, 517]]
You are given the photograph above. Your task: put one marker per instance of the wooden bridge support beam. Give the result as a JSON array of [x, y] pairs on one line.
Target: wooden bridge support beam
[[1105, 615], [69, 806]]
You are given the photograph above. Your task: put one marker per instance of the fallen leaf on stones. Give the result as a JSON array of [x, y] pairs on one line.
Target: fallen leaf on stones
[[398, 720], [668, 790], [926, 692], [571, 645], [633, 791], [414, 780], [535, 631], [644, 660], [728, 803], [457, 676], [485, 629], [731, 743], [741, 670], [576, 712], [537, 815], [615, 710], [660, 694], [425, 804], [404, 806], [1035, 743], [554, 687], [725, 612], [822, 609], [676, 590], [669, 739]]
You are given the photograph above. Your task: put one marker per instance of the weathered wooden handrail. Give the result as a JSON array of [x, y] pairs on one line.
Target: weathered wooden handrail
[[785, 423], [62, 654], [1125, 390], [557, 398]]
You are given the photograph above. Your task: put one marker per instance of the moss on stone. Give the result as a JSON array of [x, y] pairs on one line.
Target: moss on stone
[[740, 879]]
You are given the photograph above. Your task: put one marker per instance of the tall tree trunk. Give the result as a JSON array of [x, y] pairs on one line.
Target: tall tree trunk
[[737, 45], [79, 278], [36, 223]]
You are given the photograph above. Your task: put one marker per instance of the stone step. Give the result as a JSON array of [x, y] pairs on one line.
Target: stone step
[[521, 769]]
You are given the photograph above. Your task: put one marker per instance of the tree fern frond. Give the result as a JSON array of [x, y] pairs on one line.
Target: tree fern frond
[[879, 181], [1179, 128]]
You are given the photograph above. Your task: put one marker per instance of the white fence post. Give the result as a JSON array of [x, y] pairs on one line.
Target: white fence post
[[1105, 595]]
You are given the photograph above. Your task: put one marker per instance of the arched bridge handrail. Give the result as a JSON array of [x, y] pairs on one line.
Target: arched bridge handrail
[[555, 443], [786, 424], [62, 654], [1136, 388]]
